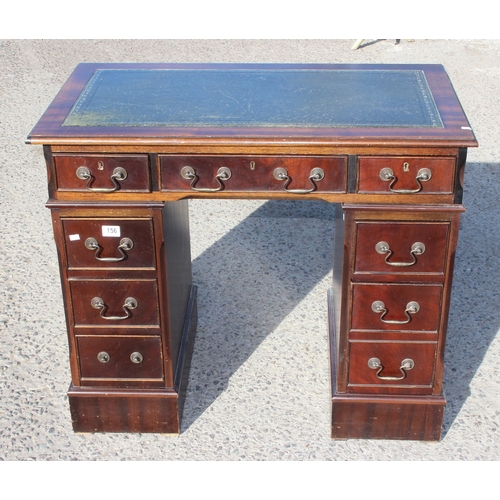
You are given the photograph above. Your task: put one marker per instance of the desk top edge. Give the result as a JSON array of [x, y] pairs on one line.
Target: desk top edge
[[456, 130]]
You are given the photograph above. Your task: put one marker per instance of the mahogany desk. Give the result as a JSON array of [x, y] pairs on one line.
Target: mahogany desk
[[127, 144]]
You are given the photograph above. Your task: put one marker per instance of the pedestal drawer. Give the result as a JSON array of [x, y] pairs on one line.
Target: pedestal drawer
[[401, 247], [102, 173], [391, 363], [396, 307], [405, 175], [121, 303], [109, 243], [293, 174], [120, 357]]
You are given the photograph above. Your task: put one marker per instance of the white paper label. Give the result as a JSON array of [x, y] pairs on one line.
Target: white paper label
[[74, 237], [111, 231]]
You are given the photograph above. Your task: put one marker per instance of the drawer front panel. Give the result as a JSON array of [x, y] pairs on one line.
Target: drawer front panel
[[254, 173], [396, 307], [406, 175], [109, 243], [102, 173], [391, 363], [401, 248], [115, 307], [116, 357]]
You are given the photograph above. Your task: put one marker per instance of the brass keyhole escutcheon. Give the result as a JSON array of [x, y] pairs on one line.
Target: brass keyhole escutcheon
[[252, 165]]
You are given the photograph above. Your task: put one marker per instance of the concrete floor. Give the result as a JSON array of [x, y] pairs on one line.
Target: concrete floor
[[259, 387]]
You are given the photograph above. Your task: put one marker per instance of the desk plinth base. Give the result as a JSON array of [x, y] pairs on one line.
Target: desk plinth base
[[360, 416], [387, 417], [146, 410], [124, 411]]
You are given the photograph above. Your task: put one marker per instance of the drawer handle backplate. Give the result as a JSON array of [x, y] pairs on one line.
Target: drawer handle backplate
[[130, 303], [223, 174], [406, 365], [125, 244], [411, 308], [383, 247], [103, 357], [316, 175], [423, 175], [119, 174], [136, 357]]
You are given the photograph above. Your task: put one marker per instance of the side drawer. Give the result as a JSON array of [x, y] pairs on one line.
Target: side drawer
[[403, 307], [391, 364], [295, 174], [401, 247], [109, 243], [109, 303], [120, 357], [406, 175], [102, 173]]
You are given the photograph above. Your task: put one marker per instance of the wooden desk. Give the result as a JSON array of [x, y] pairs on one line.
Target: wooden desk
[[127, 144]]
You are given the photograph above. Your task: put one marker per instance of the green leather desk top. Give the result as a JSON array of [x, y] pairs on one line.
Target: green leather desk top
[[255, 98]]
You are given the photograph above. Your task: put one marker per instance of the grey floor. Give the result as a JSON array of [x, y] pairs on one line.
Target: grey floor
[[259, 387]]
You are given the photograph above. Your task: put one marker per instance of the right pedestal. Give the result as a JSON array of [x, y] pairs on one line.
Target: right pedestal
[[388, 316]]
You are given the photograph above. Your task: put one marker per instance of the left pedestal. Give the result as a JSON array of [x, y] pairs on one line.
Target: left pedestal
[[130, 312]]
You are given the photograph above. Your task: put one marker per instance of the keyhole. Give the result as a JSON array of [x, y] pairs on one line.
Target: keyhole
[[100, 165], [406, 166], [252, 165]]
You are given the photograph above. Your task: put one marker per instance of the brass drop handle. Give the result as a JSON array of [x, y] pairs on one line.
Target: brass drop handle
[[119, 174], [383, 248], [406, 365], [125, 244], [129, 304], [317, 174], [411, 308], [189, 173], [423, 175]]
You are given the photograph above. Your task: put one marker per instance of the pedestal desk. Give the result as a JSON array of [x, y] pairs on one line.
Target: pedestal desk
[[126, 145]]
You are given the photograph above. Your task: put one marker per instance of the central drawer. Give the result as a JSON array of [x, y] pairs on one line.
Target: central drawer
[[109, 303], [292, 174]]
